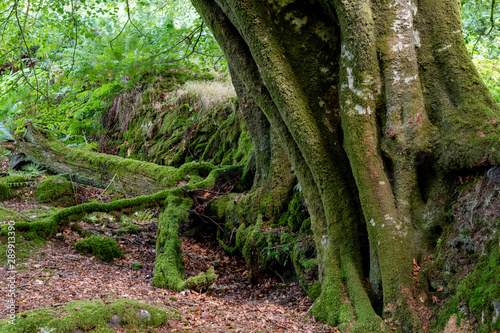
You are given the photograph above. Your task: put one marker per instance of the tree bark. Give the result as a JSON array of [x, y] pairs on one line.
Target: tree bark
[[368, 98]]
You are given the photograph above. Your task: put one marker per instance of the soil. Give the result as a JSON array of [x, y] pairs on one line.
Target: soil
[[55, 274]]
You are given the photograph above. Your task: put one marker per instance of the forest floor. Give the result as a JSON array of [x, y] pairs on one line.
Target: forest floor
[[56, 273]]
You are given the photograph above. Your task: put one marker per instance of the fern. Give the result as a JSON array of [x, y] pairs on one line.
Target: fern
[[28, 170], [32, 169]]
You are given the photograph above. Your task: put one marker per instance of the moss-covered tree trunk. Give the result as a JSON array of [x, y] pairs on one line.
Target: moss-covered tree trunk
[[377, 104]]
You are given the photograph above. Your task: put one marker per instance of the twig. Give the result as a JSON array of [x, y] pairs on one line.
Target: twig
[[111, 181], [190, 255], [273, 321], [308, 312]]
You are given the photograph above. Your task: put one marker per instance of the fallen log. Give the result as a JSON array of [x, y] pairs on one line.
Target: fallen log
[[100, 170]]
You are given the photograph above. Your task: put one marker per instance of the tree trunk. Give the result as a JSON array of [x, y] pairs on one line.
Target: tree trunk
[[377, 104]]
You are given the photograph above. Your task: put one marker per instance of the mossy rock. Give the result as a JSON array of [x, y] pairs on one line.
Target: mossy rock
[[55, 191], [95, 315], [479, 291], [101, 247]]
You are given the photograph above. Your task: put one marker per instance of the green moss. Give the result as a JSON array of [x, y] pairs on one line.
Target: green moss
[[329, 307], [55, 190], [480, 291], [127, 228], [136, 265], [10, 215], [96, 315], [305, 263], [182, 131], [12, 181], [230, 249], [296, 214], [101, 247], [314, 291], [202, 281], [169, 267], [5, 192], [305, 227], [49, 226], [25, 246]]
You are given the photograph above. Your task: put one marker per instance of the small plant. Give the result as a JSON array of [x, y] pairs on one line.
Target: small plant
[[136, 266], [32, 169], [144, 216]]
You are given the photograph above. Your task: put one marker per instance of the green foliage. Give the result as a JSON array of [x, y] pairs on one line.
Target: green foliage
[[74, 59], [32, 169], [101, 247], [16, 179], [490, 72], [480, 24]]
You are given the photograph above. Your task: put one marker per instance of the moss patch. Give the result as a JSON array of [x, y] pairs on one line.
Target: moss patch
[[10, 215], [169, 267], [25, 245], [479, 293], [101, 247], [202, 281], [96, 315], [5, 192], [296, 214]]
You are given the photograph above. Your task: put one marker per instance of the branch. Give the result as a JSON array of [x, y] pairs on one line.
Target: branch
[[132, 22], [492, 18], [23, 41]]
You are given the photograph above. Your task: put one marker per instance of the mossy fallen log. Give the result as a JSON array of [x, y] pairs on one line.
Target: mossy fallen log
[[60, 220], [169, 267], [101, 170]]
